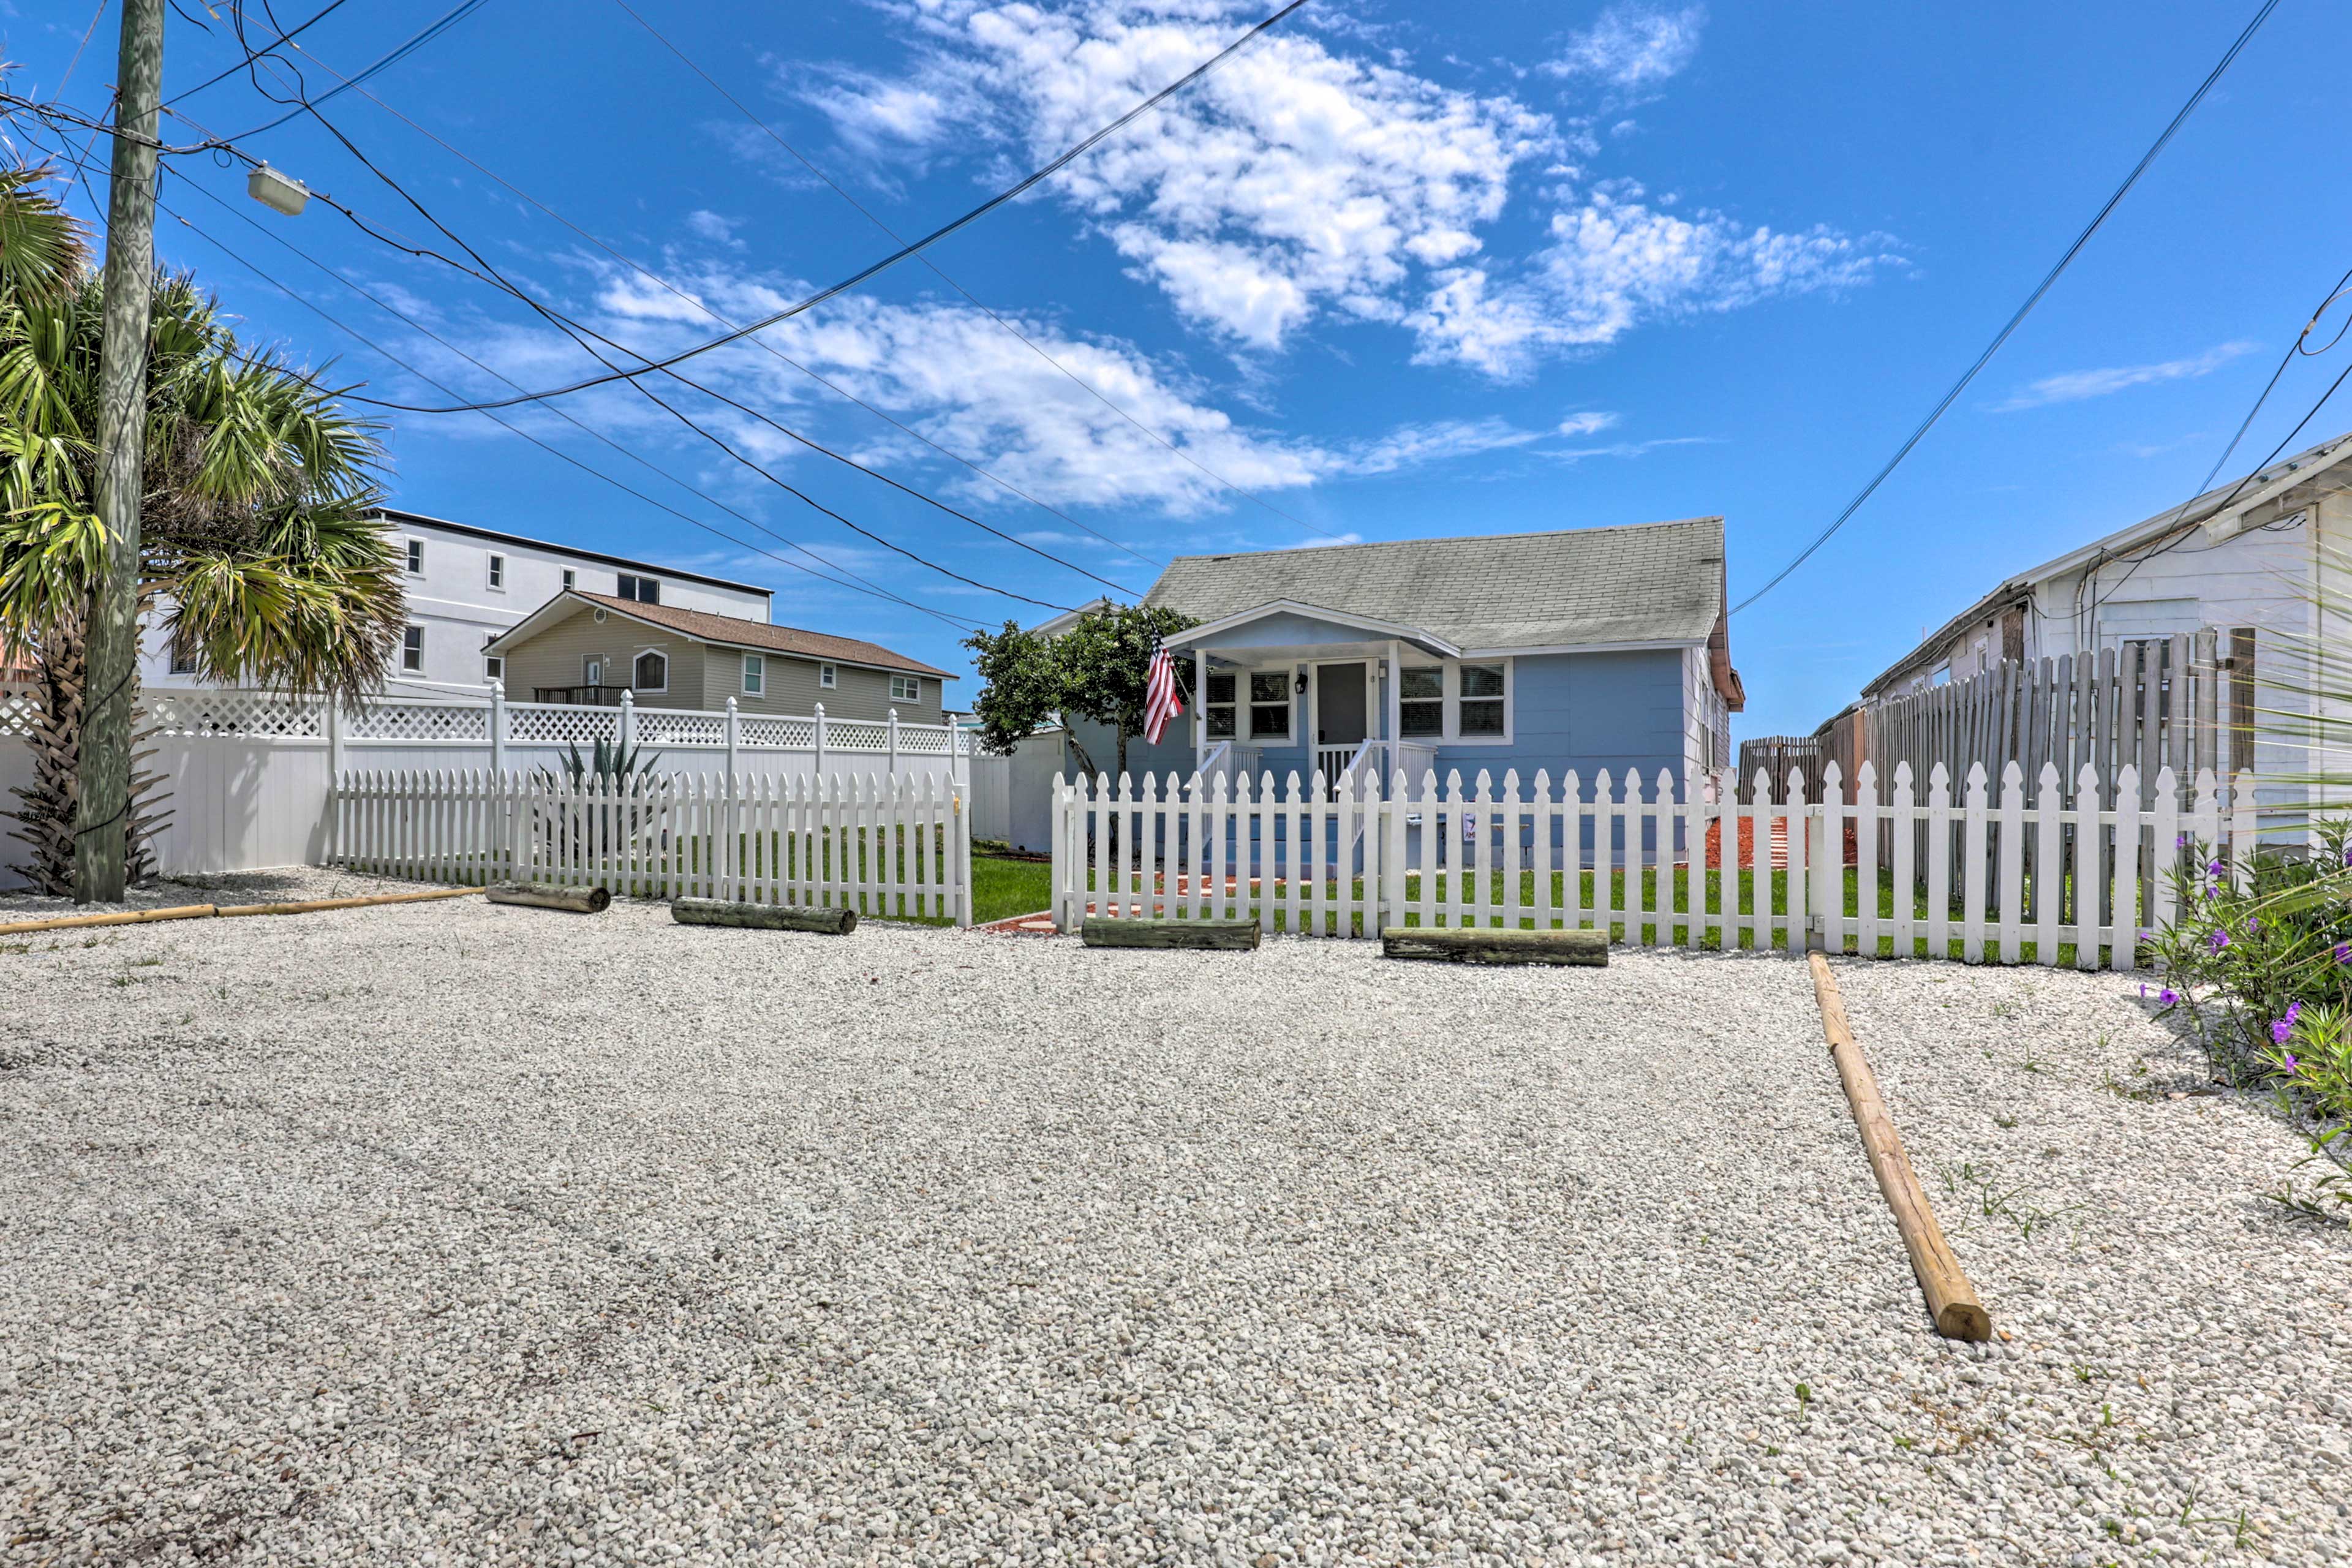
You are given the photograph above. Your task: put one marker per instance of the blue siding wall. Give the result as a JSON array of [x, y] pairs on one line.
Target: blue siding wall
[[1588, 711]]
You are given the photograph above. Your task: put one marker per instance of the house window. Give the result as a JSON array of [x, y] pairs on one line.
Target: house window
[[644, 589], [183, 653], [755, 674], [412, 650], [1481, 699], [1219, 708], [571, 578], [826, 677], [1269, 704], [906, 689], [416, 558], [651, 672], [499, 572], [493, 667], [1421, 707]]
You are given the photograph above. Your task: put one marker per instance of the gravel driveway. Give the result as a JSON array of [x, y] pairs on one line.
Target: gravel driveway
[[447, 1233]]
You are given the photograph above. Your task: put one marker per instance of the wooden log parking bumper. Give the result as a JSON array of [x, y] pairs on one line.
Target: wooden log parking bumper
[[825, 921], [1470, 944], [1219, 936], [1951, 1300], [546, 896]]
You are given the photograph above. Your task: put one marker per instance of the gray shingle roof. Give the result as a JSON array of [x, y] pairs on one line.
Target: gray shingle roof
[[1651, 582]]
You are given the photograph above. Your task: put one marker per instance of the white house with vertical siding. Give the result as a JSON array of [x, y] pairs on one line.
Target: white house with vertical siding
[[2265, 562]]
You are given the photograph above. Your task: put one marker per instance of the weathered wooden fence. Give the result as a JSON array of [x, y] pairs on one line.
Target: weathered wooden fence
[[889, 849], [2183, 702], [2009, 877]]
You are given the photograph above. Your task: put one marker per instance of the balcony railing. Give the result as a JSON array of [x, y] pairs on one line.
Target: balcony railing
[[580, 696]]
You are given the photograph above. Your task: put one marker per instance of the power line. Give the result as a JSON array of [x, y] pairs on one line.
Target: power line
[[432, 31], [761, 342], [1044, 171], [871, 590], [489, 273], [2031, 300], [578, 332], [870, 216], [253, 54]]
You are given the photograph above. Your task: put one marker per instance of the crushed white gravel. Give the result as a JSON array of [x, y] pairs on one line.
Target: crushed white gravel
[[449, 1233]]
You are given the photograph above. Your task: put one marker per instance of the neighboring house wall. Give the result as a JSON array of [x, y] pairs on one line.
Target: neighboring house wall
[[558, 657], [704, 675], [793, 686], [452, 600]]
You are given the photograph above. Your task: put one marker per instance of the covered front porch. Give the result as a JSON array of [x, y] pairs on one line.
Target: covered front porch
[[1286, 688]]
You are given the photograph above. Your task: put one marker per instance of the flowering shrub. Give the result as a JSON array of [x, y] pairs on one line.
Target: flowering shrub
[[2264, 975]]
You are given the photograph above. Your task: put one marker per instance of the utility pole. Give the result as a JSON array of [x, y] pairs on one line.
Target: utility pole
[[102, 812]]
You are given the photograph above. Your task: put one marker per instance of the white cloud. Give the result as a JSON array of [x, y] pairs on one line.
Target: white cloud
[[704, 223], [2076, 386], [1297, 184], [1411, 446], [1614, 262], [1632, 45], [1590, 423]]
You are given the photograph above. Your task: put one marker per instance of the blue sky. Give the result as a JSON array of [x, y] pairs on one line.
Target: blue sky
[[1399, 270]]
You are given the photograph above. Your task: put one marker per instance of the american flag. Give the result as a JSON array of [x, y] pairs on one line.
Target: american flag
[[1162, 700]]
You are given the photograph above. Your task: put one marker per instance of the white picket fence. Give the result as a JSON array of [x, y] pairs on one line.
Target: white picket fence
[[889, 849], [2010, 880]]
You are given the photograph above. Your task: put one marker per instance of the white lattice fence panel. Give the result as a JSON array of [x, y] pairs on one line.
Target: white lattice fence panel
[[926, 741], [841, 735], [550, 723], [20, 710], [669, 727], [420, 721], [779, 734], [233, 713]]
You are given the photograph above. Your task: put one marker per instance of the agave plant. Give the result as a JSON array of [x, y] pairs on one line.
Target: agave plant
[[256, 539], [625, 771]]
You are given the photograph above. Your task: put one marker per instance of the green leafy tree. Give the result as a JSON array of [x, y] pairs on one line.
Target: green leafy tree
[[255, 523], [1096, 670]]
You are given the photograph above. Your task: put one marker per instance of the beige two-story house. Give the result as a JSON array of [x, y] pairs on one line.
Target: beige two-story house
[[588, 648]]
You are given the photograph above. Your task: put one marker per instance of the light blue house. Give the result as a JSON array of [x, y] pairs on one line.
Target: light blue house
[[1587, 649]]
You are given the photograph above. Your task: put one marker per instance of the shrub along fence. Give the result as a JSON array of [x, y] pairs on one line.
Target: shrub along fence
[[2010, 878], [889, 849]]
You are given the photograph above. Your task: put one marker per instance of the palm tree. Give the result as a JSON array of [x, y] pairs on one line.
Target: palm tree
[[255, 526]]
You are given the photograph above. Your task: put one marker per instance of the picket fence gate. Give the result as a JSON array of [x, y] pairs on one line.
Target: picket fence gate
[[889, 849], [2008, 879]]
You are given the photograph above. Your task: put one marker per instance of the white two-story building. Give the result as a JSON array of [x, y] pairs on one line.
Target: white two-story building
[[466, 584]]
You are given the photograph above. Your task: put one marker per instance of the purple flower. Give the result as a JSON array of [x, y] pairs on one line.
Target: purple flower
[[2280, 1030], [2252, 925], [2182, 842], [2347, 854], [2219, 940], [2168, 996], [2294, 1011], [2214, 869], [2293, 1065], [2344, 952]]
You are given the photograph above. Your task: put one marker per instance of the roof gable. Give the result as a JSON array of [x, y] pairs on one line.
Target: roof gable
[[1657, 582]]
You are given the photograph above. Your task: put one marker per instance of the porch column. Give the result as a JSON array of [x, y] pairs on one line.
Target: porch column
[[1199, 711], [1395, 716]]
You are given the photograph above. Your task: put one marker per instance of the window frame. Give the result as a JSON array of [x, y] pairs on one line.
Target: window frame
[[828, 676], [753, 676], [914, 681], [637, 589], [571, 577], [179, 655], [1230, 707], [412, 649], [642, 654], [413, 559], [1437, 669], [497, 572], [1289, 704], [1461, 696], [494, 666]]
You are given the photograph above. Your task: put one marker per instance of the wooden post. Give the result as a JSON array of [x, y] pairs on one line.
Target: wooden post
[[834, 919], [589, 900], [1230, 936], [1476, 944], [1951, 1300]]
